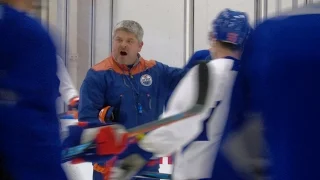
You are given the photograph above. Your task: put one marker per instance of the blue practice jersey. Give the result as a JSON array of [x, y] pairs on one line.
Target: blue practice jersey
[[29, 128]]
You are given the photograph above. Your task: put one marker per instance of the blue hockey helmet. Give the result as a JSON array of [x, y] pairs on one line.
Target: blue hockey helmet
[[231, 27]]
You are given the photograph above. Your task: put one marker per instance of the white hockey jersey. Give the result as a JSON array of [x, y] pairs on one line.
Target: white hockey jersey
[[66, 88], [194, 141]]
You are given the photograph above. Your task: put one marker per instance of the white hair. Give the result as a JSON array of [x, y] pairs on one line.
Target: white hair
[[130, 26]]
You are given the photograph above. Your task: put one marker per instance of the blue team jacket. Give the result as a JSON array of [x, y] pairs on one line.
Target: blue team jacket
[[137, 94], [29, 129]]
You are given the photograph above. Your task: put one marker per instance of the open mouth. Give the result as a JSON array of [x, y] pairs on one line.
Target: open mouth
[[123, 53]]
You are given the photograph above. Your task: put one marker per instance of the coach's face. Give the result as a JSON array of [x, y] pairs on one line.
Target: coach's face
[[125, 47]]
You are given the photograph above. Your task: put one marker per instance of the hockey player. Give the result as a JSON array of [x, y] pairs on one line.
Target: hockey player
[[195, 140], [125, 88], [29, 129], [279, 82]]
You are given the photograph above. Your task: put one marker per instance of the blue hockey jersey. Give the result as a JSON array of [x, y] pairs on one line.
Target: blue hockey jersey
[[279, 81], [29, 128]]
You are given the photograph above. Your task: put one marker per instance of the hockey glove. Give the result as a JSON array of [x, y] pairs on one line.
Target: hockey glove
[[72, 112], [129, 163], [73, 103], [109, 140]]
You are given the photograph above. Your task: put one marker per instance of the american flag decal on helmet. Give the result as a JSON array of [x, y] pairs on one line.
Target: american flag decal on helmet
[[232, 37]]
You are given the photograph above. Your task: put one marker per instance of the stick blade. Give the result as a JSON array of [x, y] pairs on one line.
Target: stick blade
[[153, 175]]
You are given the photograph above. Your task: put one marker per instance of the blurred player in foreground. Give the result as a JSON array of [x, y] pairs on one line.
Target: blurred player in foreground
[[279, 81], [30, 141]]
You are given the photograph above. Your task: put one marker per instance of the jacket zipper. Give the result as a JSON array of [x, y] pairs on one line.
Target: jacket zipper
[[150, 101]]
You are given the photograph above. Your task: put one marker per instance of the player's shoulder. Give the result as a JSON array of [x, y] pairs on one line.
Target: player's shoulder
[[287, 24], [219, 66], [311, 9], [291, 16], [7, 13], [222, 64], [33, 27], [203, 53], [23, 25]]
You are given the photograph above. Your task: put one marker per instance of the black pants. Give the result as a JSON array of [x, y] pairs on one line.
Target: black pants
[[4, 174]]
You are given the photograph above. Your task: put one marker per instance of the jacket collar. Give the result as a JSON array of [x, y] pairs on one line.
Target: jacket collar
[[125, 67]]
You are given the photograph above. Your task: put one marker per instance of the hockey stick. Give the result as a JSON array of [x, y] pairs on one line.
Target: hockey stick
[[153, 175], [203, 83]]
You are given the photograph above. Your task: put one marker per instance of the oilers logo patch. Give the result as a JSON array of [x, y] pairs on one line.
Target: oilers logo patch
[[146, 80]]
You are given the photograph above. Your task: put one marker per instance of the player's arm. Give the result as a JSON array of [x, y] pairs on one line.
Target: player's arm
[[92, 95], [192, 61], [196, 57]]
